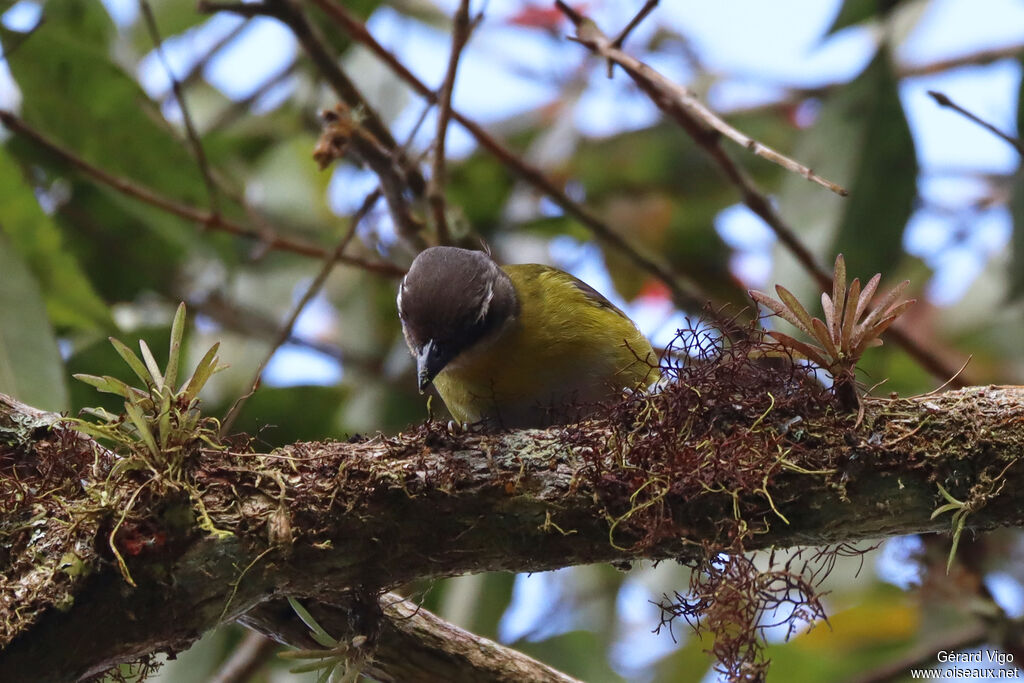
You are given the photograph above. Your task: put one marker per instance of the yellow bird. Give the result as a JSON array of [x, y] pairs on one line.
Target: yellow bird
[[516, 346]]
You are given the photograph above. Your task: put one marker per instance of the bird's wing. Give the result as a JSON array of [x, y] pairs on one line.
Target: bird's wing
[[592, 295]]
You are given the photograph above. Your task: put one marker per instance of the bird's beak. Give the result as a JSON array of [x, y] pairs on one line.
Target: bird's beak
[[429, 362]]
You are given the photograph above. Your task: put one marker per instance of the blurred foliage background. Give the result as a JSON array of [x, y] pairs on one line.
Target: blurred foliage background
[[934, 198]]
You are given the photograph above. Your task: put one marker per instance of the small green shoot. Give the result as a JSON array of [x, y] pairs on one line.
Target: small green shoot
[[960, 511], [161, 422], [161, 426], [985, 490], [338, 662]]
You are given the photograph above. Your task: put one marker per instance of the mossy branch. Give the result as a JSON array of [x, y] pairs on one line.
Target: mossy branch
[[313, 519]]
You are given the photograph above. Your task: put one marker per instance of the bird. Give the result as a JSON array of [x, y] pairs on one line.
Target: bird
[[516, 346]]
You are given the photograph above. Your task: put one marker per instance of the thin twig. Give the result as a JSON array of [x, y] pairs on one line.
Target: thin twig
[[666, 96], [196, 70], [242, 9], [633, 23], [671, 97], [237, 108], [190, 130], [792, 95], [688, 295], [944, 101], [377, 147], [200, 216], [235, 317], [311, 291], [974, 58], [461, 29]]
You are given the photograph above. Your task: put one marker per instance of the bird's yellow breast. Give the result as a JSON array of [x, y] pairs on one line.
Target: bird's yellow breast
[[566, 347]]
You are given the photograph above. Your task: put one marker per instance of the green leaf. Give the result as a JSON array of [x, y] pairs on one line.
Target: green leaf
[[855, 12], [883, 185], [860, 140], [73, 91], [70, 298], [948, 496], [164, 419], [206, 367], [172, 17], [142, 425], [93, 357], [945, 508], [151, 365], [316, 630], [132, 360], [108, 384], [31, 368], [174, 354]]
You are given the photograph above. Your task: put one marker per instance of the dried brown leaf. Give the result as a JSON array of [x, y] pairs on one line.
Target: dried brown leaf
[[821, 333], [883, 307], [866, 296], [801, 316], [838, 295], [777, 307], [849, 314], [807, 351]]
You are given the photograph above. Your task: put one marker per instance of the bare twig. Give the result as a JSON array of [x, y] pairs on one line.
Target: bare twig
[[200, 216], [461, 29], [377, 148], [235, 317], [190, 130], [311, 291], [972, 58], [242, 9], [943, 101], [676, 99], [633, 23], [239, 107], [676, 102], [248, 658], [196, 70]]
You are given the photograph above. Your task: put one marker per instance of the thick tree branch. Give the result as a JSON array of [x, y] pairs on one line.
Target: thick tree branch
[[315, 519]]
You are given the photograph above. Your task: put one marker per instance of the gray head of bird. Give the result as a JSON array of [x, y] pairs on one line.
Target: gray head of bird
[[450, 300]]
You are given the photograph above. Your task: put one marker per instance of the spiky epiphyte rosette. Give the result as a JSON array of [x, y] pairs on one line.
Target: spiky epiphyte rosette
[[841, 339]]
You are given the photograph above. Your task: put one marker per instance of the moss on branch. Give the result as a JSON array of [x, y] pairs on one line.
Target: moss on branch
[[315, 518]]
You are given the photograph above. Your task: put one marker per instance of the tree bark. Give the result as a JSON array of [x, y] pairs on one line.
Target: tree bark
[[313, 520]]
